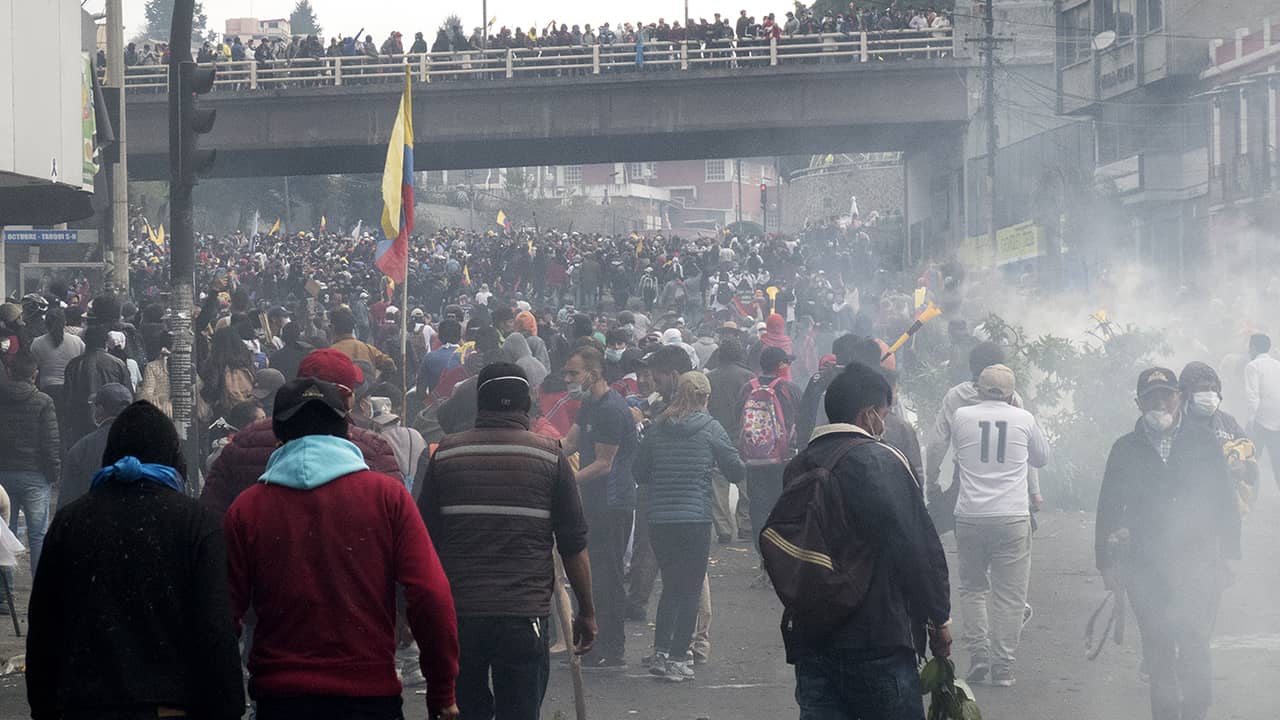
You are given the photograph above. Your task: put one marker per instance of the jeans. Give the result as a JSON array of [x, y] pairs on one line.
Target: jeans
[[841, 685], [681, 550], [514, 651], [995, 561], [330, 707], [728, 521], [1176, 621], [607, 535], [764, 487], [1270, 439], [29, 493], [701, 645]]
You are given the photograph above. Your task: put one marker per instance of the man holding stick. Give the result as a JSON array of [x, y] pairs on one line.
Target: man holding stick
[[496, 500]]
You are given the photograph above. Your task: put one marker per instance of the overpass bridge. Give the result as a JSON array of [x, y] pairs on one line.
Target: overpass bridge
[[895, 90]]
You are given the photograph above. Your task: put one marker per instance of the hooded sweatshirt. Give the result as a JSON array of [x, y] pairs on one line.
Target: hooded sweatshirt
[[516, 350], [325, 600], [527, 325]]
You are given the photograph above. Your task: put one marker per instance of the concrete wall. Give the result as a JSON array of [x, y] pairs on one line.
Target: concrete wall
[[813, 197]]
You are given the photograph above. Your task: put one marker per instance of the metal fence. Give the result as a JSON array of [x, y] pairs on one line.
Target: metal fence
[[569, 61]]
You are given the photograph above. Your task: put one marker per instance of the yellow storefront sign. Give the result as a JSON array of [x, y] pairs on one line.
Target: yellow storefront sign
[[1013, 244]]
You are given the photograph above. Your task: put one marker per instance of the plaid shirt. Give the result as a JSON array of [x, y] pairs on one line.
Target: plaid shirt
[[1162, 441]]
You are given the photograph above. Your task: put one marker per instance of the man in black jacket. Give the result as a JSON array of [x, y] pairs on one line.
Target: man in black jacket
[[727, 380], [867, 666], [496, 500], [130, 612], [85, 457], [31, 460], [86, 374], [1167, 529]]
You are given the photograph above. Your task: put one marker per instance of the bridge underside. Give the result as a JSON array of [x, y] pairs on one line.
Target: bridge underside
[[559, 121]]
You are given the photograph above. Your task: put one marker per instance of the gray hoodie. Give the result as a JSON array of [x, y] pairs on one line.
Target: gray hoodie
[[516, 350]]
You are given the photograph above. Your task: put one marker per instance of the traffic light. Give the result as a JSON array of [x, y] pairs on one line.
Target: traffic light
[[764, 195], [188, 122]]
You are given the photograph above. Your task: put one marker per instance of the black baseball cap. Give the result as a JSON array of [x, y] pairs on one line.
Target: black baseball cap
[[293, 396], [1157, 378], [772, 357]]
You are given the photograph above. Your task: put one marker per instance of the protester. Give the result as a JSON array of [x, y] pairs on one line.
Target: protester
[[85, 456], [727, 379], [765, 432], [604, 437], [85, 375], [1202, 391], [53, 351], [343, 580], [242, 462], [995, 445], [407, 443], [867, 666], [674, 464], [497, 499], [130, 613], [32, 460], [1262, 390], [1167, 531]]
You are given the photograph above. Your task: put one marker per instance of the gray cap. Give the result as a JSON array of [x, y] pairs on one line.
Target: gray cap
[[266, 382], [112, 397]]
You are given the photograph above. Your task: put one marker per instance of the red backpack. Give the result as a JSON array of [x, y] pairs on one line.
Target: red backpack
[[764, 439]]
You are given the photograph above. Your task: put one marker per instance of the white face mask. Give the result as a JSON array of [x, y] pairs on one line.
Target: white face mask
[[1158, 420], [1205, 403]]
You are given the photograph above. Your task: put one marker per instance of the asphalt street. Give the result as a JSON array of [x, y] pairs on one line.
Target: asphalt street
[[748, 677]]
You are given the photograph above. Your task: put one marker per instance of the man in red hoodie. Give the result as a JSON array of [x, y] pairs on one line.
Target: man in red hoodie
[[241, 463], [316, 549]]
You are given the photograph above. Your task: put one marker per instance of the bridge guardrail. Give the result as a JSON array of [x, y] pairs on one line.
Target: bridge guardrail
[[566, 61]]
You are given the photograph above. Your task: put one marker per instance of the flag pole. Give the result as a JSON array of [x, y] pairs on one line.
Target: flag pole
[[404, 351]]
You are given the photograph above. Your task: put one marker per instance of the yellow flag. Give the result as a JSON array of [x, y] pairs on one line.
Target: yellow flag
[[466, 275], [920, 295], [275, 228], [639, 246], [160, 236], [502, 218], [323, 223], [151, 233]]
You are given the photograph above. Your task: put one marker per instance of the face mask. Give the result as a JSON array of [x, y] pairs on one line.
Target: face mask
[[1205, 403], [1158, 420], [580, 391], [877, 434], [613, 354]]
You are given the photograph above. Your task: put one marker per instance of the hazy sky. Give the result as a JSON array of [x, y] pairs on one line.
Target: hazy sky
[[380, 17]]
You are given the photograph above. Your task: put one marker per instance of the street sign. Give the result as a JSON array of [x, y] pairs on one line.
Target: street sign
[[49, 237]]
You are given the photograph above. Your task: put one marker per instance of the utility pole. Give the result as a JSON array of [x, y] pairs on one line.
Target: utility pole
[[117, 256], [987, 46], [738, 182], [186, 162]]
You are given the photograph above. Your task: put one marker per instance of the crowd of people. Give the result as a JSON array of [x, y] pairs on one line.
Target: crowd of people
[[590, 397]]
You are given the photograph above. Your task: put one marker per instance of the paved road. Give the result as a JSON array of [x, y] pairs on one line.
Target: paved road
[[749, 679]]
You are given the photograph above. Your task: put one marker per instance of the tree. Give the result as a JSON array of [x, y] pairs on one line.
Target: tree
[[302, 21], [159, 14]]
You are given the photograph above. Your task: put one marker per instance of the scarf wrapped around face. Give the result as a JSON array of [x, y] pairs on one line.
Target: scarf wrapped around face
[[129, 469]]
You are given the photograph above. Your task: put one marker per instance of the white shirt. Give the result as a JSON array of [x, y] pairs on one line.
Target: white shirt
[[1262, 390], [995, 444]]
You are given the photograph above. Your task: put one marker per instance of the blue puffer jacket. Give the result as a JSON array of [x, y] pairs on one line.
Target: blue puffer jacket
[[674, 466]]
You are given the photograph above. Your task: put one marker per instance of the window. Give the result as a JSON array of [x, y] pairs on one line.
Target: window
[[1155, 15], [716, 171], [572, 174], [1125, 14], [1076, 35], [635, 172]]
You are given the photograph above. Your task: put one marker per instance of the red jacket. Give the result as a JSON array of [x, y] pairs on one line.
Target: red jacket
[[325, 600], [241, 463]]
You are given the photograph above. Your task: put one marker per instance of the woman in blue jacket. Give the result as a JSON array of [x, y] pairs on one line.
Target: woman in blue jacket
[[675, 461]]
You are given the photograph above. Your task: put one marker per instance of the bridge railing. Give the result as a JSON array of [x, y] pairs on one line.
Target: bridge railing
[[567, 61]]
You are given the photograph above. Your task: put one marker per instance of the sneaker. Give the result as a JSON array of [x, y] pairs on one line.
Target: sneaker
[[1027, 614], [1002, 677], [605, 664], [678, 671], [656, 663], [978, 670]]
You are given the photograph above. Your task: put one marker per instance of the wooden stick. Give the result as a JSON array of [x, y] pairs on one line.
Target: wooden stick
[[564, 615]]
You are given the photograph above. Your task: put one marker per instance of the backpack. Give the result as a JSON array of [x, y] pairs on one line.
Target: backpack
[[819, 568], [763, 439]]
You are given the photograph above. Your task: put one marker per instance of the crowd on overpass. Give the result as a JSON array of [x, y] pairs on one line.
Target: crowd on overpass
[[719, 31]]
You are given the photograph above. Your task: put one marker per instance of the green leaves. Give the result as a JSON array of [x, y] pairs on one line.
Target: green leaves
[[950, 699]]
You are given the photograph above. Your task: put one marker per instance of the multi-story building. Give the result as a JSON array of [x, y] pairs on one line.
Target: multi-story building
[[1134, 68], [253, 28]]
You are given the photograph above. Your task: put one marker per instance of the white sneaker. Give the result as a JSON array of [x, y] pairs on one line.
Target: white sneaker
[[657, 663], [678, 671]]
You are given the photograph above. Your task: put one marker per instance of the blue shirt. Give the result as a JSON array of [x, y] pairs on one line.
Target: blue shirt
[[608, 421], [434, 364]]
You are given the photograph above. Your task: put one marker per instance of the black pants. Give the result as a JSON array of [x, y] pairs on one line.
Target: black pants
[[681, 550], [1270, 439], [514, 651], [330, 707], [1176, 620], [764, 486], [607, 536], [644, 569]]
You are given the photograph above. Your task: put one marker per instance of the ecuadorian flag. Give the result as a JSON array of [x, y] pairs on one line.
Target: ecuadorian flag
[[392, 253]]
